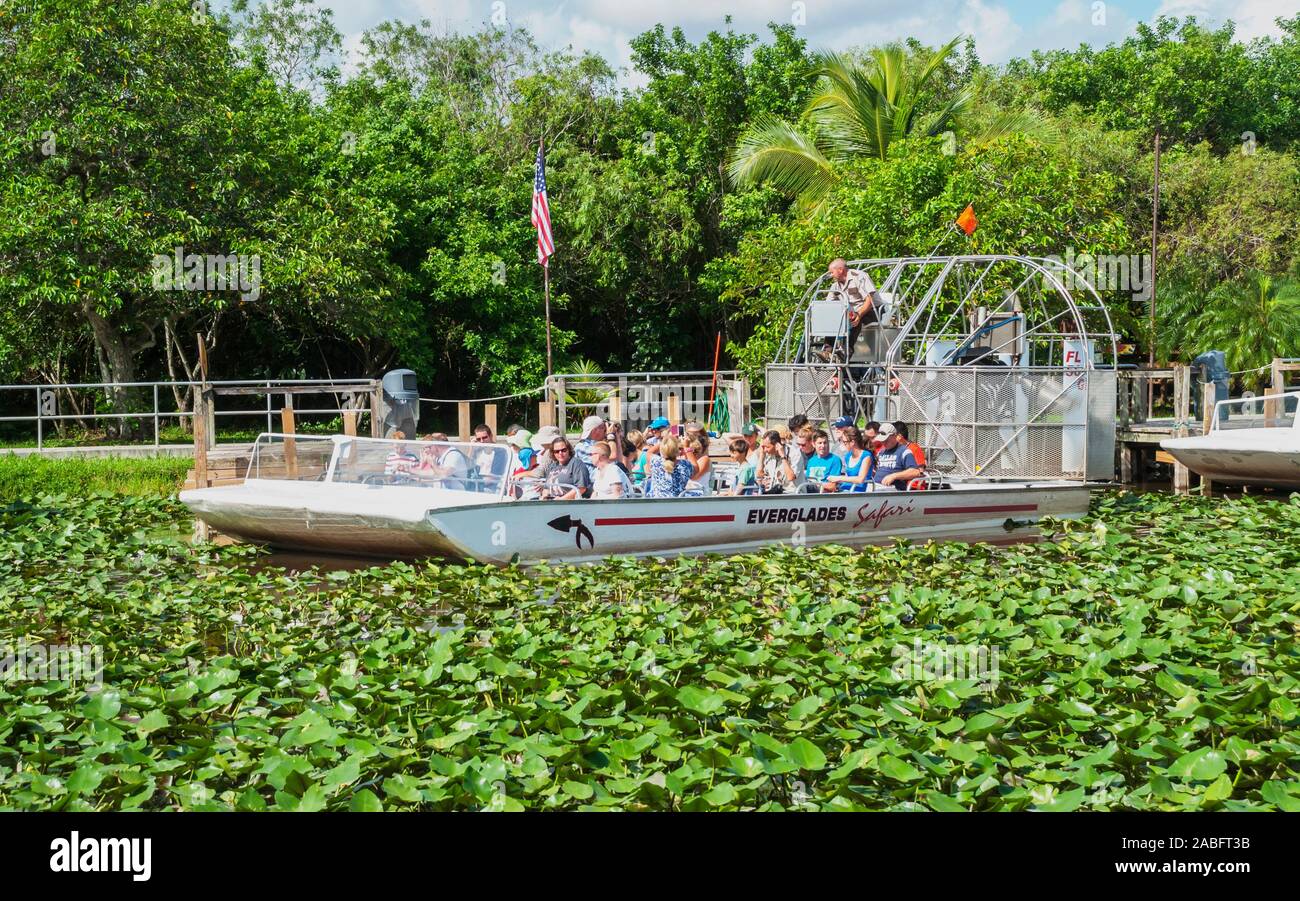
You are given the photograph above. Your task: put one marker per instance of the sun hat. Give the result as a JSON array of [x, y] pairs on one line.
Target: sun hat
[[545, 437], [520, 439], [590, 424]]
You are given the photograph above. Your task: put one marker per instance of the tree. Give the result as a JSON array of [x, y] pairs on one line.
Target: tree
[[858, 110], [1252, 322], [296, 42]]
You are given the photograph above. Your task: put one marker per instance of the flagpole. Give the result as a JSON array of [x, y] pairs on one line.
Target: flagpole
[[546, 287]]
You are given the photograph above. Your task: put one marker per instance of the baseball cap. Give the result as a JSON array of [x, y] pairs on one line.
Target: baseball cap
[[520, 438], [749, 428], [885, 431], [660, 422], [590, 424], [545, 436], [842, 423]]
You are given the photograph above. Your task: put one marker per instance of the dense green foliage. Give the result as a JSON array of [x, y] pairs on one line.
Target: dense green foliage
[[1147, 659], [34, 476], [389, 208]]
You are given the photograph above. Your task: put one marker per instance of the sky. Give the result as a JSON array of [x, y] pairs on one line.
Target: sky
[[1002, 28]]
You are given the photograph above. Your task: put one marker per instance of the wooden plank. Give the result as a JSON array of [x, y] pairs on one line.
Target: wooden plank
[[376, 410], [616, 409], [1182, 415], [1126, 468], [462, 418], [200, 438], [1207, 423], [490, 417], [290, 444], [674, 409], [350, 423], [545, 413], [1163, 456]]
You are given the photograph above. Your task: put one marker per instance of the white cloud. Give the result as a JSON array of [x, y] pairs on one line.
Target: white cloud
[[1254, 18]]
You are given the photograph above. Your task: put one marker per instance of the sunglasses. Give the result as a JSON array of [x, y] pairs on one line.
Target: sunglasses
[[560, 450]]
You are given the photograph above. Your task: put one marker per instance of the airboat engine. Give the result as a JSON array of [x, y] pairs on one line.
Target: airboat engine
[[401, 403]]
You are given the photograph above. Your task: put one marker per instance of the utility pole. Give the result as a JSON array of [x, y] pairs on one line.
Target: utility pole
[[1155, 231]]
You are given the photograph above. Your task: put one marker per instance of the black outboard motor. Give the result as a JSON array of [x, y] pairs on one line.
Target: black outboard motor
[[1214, 368], [401, 403]]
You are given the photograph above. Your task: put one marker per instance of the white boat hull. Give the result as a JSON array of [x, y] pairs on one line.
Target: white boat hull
[[393, 521], [1266, 457]]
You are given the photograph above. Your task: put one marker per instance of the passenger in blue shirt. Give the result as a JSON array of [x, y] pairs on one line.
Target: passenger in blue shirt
[[822, 464], [895, 464]]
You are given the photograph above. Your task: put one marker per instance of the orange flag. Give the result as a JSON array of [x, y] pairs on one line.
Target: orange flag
[[966, 221]]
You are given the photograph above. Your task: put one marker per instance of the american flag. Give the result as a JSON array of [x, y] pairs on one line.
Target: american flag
[[542, 211]]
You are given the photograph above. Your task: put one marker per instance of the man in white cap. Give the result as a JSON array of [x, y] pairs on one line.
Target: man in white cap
[[594, 431], [895, 464]]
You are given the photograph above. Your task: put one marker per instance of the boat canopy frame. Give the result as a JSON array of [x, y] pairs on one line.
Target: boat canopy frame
[[1004, 365]]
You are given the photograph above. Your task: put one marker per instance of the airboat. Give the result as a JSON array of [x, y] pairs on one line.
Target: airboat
[[1004, 376], [1252, 441]]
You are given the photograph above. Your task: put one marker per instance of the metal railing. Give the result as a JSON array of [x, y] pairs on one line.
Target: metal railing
[[354, 396], [643, 396], [1261, 412]]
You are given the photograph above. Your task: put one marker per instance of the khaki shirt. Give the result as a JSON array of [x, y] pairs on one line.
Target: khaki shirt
[[856, 290]]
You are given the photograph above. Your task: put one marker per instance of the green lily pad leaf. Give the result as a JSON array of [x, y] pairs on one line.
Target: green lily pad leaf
[[152, 722], [365, 801], [700, 700], [580, 790], [899, 770], [805, 754], [1203, 763]]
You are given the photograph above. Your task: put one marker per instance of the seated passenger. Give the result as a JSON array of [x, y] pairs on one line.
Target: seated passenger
[[822, 464], [752, 437], [401, 459], [917, 451], [655, 432], [610, 481], [858, 463], [486, 460], [638, 457], [697, 453], [442, 463], [776, 471], [745, 481], [518, 443], [566, 477], [895, 465], [668, 475]]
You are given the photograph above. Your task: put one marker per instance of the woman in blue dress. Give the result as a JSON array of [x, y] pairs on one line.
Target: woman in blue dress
[[858, 463]]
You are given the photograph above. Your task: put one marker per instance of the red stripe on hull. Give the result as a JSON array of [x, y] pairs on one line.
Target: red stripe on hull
[[1000, 508], [660, 520]]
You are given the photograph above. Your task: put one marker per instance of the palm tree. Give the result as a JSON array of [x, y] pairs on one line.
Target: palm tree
[[1252, 323], [858, 110]]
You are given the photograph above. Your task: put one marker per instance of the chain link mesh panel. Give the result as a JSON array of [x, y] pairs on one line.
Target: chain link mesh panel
[[993, 422]]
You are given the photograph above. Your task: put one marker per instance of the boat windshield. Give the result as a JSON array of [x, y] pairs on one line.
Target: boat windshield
[[449, 465]]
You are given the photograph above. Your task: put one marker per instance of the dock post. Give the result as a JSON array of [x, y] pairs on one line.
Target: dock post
[[462, 419], [377, 409], [674, 409], [545, 414], [616, 409], [1207, 423], [1126, 468], [490, 417], [350, 423], [201, 401], [290, 445], [1278, 412], [1182, 414]]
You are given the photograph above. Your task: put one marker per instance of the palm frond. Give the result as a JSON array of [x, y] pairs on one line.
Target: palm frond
[[774, 152]]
